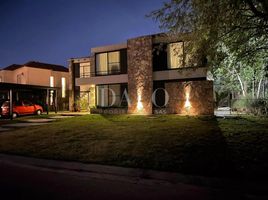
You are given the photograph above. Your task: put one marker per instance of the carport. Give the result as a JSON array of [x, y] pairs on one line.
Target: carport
[[12, 91]]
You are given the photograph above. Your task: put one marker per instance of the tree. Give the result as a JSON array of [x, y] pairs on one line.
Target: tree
[[231, 34], [241, 25]]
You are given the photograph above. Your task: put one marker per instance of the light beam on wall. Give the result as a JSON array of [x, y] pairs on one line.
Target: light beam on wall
[[187, 104], [139, 104]]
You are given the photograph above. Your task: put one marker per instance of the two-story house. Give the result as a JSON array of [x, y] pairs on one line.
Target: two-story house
[[39, 74], [145, 75]]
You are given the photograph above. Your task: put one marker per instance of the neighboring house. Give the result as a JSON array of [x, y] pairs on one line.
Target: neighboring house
[[150, 69], [39, 74]]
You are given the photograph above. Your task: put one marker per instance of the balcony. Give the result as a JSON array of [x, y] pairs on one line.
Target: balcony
[[180, 73]]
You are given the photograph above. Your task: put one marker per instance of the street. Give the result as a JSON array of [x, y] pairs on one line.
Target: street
[[18, 182]]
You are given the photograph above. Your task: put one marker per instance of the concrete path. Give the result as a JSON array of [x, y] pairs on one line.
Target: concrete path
[[41, 120], [73, 180], [60, 117], [4, 129], [21, 125]]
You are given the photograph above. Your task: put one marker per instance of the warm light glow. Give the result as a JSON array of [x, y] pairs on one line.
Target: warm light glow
[[51, 81], [139, 104], [63, 87], [187, 102]]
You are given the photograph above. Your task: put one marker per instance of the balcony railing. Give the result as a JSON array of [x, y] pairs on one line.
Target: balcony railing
[[100, 73]]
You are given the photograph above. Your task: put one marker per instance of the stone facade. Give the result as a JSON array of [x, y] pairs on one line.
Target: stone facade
[[200, 98], [71, 86], [140, 75], [111, 111]]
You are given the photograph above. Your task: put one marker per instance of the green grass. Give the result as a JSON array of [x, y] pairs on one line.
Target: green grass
[[193, 145]]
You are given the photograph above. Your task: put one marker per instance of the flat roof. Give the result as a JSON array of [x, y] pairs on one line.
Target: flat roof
[[109, 48]]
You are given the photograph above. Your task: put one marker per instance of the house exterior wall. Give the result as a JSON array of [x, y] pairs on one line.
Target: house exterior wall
[[74, 76], [39, 77], [200, 97], [140, 74], [140, 79], [6, 76]]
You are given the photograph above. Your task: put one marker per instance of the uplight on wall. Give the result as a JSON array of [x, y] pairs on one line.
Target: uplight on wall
[[139, 104], [187, 102], [187, 105]]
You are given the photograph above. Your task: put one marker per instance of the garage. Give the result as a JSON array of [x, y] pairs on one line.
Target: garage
[[40, 95]]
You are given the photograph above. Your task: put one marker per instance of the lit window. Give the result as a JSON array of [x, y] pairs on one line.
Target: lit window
[[51, 81], [108, 63], [84, 70], [63, 87], [175, 55]]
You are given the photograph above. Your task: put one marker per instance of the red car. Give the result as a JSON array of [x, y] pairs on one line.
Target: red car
[[21, 108]]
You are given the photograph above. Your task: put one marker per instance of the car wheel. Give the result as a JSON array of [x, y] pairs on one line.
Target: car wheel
[[14, 115], [38, 112]]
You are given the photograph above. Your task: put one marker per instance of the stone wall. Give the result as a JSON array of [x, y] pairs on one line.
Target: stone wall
[[140, 75], [71, 86], [200, 98], [110, 111]]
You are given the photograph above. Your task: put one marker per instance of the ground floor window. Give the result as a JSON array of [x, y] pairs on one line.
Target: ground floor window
[[159, 94], [111, 95]]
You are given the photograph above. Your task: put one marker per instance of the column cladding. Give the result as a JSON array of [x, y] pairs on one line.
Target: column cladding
[[140, 75]]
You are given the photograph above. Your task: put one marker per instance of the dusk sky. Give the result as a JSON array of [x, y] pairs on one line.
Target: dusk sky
[[53, 31]]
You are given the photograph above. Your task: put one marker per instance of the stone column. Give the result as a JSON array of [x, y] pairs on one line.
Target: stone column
[[71, 86], [140, 75]]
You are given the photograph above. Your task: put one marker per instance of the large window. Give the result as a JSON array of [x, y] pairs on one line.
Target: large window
[[84, 70], [111, 62], [168, 56], [175, 55], [111, 95]]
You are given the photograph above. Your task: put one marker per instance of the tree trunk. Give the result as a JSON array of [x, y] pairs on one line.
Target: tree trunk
[[241, 83], [259, 88]]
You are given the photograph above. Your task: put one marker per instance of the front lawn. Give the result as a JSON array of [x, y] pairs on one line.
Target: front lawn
[[193, 145]]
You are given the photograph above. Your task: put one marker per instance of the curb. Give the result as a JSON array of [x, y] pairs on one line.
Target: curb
[[133, 174]]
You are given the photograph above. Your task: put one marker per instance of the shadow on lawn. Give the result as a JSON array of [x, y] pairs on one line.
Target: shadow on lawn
[[208, 154]]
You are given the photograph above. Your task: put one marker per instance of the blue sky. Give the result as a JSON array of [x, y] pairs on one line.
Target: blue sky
[[55, 30]]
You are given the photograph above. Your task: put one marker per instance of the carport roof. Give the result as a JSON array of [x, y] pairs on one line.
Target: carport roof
[[15, 86]]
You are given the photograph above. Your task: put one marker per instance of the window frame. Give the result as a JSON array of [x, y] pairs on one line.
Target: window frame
[[84, 74], [108, 71], [122, 86], [165, 46]]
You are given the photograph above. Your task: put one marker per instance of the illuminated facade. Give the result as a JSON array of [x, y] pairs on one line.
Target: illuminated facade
[[40, 74], [139, 77]]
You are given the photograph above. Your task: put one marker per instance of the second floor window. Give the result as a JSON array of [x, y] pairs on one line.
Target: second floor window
[[168, 56], [108, 63], [175, 55], [84, 70]]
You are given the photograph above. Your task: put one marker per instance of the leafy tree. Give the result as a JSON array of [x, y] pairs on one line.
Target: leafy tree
[[242, 25], [231, 34]]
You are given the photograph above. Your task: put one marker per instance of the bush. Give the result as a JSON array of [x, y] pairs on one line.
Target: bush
[[259, 107], [253, 106]]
